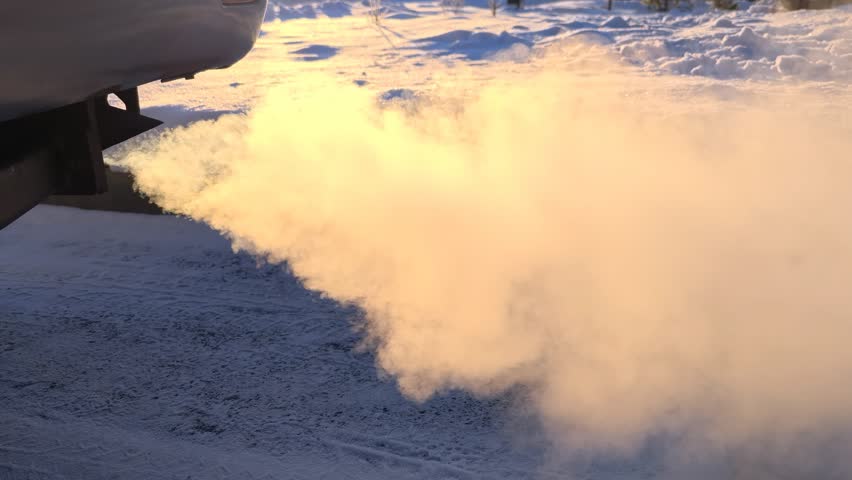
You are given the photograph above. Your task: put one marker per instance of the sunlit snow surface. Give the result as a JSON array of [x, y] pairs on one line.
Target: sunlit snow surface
[[143, 347], [421, 46]]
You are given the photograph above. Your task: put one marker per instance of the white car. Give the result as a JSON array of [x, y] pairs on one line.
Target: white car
[[59, 59]]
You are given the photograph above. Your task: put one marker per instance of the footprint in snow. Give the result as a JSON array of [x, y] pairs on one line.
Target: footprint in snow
[[616, 22], [403, 16], [316, 52]]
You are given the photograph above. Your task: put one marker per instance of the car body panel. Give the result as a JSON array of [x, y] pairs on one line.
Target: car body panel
[[59, 52]]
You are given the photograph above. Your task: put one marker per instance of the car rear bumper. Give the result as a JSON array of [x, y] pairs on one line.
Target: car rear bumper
[[57, 52]]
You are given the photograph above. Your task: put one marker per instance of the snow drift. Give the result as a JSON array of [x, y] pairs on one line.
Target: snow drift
[[642, 264]]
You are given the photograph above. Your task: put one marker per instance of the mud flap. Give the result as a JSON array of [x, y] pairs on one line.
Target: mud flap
[[61, 151]]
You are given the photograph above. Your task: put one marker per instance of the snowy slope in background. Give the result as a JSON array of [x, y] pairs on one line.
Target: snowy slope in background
[[419, 43]]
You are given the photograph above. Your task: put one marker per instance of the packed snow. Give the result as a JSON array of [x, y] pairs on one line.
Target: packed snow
[[149, 350], [136, 346]]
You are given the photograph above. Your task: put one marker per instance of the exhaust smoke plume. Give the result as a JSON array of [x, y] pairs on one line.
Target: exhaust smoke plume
[[642, 261]]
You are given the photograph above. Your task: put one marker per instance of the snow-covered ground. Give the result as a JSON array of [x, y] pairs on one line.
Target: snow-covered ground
[[143, 347]]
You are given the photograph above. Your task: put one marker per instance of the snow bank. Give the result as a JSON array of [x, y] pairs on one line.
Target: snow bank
[[278, 10], [738, 46], [471, 45], [750, 43]]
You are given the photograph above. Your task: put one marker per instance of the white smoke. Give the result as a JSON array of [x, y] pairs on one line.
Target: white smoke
[[644, 261]]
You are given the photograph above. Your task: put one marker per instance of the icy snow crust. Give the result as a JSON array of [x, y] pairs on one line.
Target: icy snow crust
[[141, 347]]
